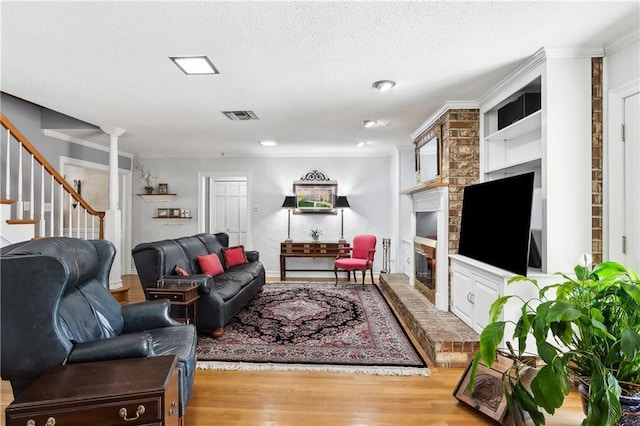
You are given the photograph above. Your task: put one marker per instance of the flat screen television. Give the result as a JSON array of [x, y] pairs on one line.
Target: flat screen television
[[496, 222]]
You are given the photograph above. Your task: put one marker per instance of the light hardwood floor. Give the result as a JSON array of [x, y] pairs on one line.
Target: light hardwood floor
[[315, 398]]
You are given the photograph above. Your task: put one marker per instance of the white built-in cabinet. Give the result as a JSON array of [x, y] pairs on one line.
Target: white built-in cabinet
[[476, 285], [554, 143]]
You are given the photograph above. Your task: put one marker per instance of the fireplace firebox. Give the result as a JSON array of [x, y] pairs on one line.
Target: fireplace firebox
[[425, 266]]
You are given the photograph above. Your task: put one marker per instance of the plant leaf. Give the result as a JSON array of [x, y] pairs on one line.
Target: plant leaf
[[526, 402], [490, 338], [632, 290], [630, 343], [547, 389], [547, 352], [563, 311], [496, 307]]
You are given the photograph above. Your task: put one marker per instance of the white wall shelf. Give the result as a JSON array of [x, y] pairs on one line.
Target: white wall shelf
[[157, 197], [174, 220]]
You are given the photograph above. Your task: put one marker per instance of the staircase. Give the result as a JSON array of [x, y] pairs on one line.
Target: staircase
[[37, 201]]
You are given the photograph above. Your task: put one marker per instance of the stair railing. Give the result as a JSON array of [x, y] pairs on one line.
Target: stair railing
[[50, 203]]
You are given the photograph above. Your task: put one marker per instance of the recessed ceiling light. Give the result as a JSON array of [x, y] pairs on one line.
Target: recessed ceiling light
[[193, 65], [383, 85], [362, 144], [268, 143], [369, 123]]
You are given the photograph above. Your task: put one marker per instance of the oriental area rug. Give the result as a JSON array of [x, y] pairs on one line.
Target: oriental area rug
[[314, 327]]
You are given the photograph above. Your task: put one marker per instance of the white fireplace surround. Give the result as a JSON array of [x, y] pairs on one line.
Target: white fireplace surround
[[435, 200]]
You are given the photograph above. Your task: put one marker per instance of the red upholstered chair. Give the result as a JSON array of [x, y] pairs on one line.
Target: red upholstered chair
[[361, 257]]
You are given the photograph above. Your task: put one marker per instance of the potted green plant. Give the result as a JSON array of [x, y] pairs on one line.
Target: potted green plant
[[315, 234], [586, 331]]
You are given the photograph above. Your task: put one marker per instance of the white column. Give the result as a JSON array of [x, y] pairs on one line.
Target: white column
[[113, 216]]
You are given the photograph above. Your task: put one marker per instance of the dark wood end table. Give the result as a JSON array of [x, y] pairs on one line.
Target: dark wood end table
[[181, 294], [134, 391]]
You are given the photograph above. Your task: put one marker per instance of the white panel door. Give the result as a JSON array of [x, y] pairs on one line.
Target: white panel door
[[229, 199], [632, 181]]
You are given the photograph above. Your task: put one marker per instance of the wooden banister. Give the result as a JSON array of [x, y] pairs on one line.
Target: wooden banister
[[69, 189]]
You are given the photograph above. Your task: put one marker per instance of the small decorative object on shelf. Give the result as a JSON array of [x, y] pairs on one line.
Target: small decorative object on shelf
[[163, 188], [315, 234], [162, 213], [175, 213], [147, 176]]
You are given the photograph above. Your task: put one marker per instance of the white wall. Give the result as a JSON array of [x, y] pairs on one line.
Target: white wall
[[364, 180]]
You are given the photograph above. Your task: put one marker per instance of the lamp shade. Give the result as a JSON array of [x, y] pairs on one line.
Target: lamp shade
[[341, 202], [289, 202]]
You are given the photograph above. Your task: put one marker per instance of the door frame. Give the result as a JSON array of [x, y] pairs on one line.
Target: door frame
[[223, 176], [613, 173]]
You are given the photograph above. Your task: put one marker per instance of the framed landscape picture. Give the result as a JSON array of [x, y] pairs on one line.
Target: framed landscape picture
[[315, 198]]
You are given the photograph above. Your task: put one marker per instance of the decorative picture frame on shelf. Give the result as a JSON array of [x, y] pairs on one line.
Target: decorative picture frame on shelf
[[162, 212], [174, 213], [163, 188]]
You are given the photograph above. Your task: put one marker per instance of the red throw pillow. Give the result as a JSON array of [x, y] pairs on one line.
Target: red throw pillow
[[210, 264], [234, 256]]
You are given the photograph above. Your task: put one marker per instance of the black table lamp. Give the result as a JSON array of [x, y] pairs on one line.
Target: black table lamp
[[342, 203], [289, 203]]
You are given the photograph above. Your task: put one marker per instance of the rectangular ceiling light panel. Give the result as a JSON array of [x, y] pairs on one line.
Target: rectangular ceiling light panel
[[194, 65]]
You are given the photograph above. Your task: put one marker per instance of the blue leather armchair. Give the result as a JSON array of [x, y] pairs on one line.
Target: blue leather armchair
[[56, 308]]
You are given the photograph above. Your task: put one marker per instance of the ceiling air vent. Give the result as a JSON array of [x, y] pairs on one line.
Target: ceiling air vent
[[240, 115]]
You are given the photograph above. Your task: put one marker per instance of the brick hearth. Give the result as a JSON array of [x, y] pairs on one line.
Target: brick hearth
[[442, 336]]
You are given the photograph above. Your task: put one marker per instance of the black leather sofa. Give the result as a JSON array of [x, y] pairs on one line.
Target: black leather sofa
[[56, 308], [222, 296]]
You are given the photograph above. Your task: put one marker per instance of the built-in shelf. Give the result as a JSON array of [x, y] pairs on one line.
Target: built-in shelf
[[521, 127], [157, 197]]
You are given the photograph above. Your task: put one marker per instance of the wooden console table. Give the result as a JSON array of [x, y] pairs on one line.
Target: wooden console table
[[309, 249], [134, 391]]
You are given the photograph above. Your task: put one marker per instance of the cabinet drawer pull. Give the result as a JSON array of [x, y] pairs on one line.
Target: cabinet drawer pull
[[139, 411], [51, 421]]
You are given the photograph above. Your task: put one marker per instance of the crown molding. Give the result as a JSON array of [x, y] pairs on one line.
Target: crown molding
[[621, 41], [448, 105]]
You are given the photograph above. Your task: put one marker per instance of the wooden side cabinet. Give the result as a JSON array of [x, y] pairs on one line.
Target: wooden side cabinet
[[135, 391]]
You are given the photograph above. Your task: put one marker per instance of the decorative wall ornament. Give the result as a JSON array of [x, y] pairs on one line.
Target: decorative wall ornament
[[315, 176]]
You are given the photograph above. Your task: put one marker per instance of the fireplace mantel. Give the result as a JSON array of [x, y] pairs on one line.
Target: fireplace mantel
[[423, 187]]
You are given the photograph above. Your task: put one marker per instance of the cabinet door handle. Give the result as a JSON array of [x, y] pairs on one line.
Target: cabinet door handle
[[139, 411], [470, 298]]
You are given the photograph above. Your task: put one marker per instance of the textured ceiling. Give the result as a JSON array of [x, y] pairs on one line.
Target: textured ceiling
[[305, 68]]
